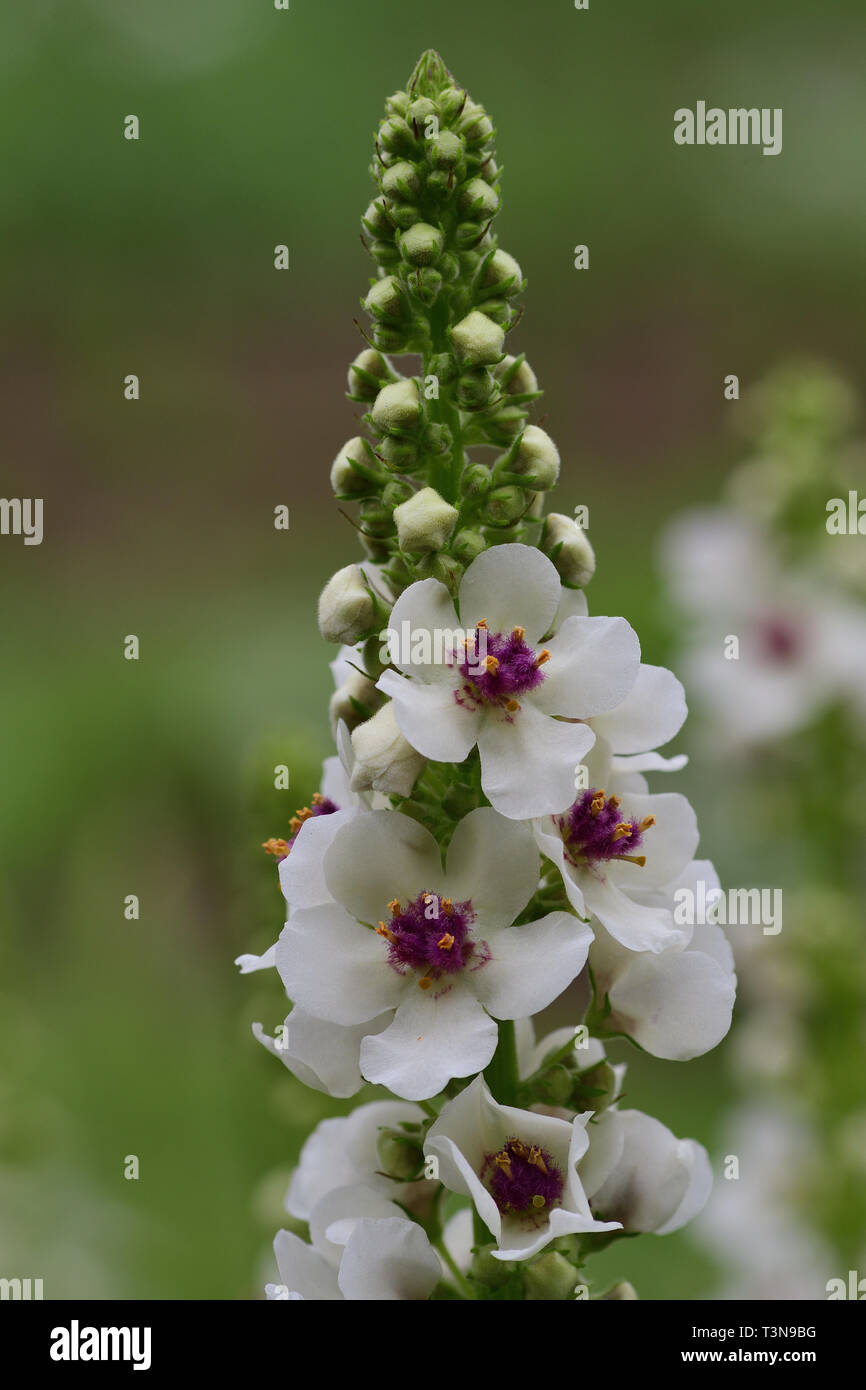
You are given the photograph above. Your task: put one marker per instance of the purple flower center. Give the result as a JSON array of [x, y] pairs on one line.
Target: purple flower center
[[523, 1180], [779, 640], [322, 806], [593, 830], [501, 667], [430, 934]]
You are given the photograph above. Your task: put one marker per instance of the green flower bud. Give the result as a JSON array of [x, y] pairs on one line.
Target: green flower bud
[[477, 340], [440, 186], [376, 519], [420, 111], [397, 408], [498, 310], [421, 244], [445, 568], [569, 549], [443, 366], [396, 492], [377, 220], [474, 124], [449, 266], [451, 101], [346, 607], [620, 1293], [445, 150], [596, 1086], [397, 136], [474, 388], [424, 522], [358, 481], [355, 691], [405, 215], [477, 480], [391, 338], [503, 271], [466, 235], [425, 284], [401, 181], [554, 1086], [401, 1152], [368, 374], [489, 170], [489, 1271], [376, 549], [516, 376], [384, 253], [386, 299], [504, 505], [550, 1277], [398, 104], [468, 545], [506, 422], [400, 454], [430, 76], [538, 457], [478, 200]]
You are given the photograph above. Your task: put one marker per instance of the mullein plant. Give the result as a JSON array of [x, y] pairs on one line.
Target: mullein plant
[[779, 565], [485, 837]]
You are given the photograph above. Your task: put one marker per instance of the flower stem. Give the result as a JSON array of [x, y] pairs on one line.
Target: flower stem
[[502, 1076]]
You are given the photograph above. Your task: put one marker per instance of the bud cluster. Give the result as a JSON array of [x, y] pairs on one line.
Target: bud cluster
[[446, 292]]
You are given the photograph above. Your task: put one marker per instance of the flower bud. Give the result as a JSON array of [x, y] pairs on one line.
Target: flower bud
[[385, 761], [477, 480], [420, 111], [451, 101], [477, 340], [386, 299], [384, 253], [355, 691], [622, 1292], [375, 519], [346, 480], [505, 504], [478, 200], [504, 424], [538, 457], [401, 181], [396, 492], [400, 454], [397, 408], [405, 214], [474, 388], [424, 522], [398, 104], [474, 124], [396, 135], [550, 1277], [421, 244], [516, 376], [346, 607], [425, 284], [498, 311], [445, 150], [368, 374], [504, 273], [377, 219], [400, 1152], [569, 549], [467, 545], [489, 1271]]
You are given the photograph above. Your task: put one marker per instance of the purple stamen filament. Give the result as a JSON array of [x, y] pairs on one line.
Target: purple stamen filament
[[431, 935], [593, 830], [523, 1180], [510, 668], [322, 806]]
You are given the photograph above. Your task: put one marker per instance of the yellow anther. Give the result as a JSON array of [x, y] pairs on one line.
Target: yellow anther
[[492, 664], [382, 930], [318, 799], [447, 906], [622, 829], [613, 801], [503, 1161], [280, 848], [482, 622], [541, 658], [518, 633], [596, 806], [394, 906], [512, 705], [425, 982], [536, 1158], [647, 822], [446, 941]]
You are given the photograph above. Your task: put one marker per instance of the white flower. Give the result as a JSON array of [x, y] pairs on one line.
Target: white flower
[[445, 955], [385, 760], [610, 850], [799, 645], [343, 1152], [363, 1247], [676, 1004], [638, 1173], [519, 1168], [523, 707]]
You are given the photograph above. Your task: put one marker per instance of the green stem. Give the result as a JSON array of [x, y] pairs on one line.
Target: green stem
[[459, 1278], [502, 1076]]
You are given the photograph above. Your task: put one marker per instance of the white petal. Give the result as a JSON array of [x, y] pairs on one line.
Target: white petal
[[510, 586], [606, 1143], [677, 1004], [320, 1054], [518, 1243], [430, 718], [304, 1270], [248, 964], [336, 968], [627, 765], [379, 856], [649, 716], [669, 845], [322, 1166], [335, 783], [431, 1040], [493, 861], [388, 1260], [334, 1216], [660, 1182], [572, 604], [531, 965], [424, 607], [302, 876], [594, 663], [636, 925], [528, 763]]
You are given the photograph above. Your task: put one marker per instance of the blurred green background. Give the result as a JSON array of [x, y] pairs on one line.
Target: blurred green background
[[155, 257]]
